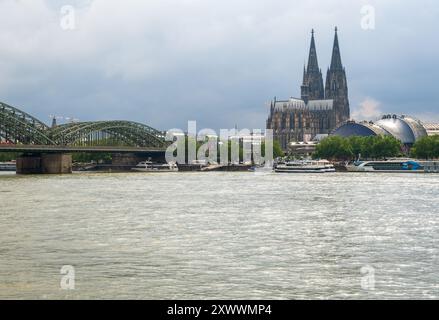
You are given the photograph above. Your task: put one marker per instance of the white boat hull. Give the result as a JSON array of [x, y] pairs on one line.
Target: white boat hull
[[306, 166], [305, 170], [149, 167], [152, 171], [393, 166]]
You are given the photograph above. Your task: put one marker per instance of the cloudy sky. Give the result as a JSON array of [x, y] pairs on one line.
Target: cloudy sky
[[164, 62]]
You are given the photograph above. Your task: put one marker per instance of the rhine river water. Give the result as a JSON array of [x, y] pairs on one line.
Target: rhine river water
[[220, 235]]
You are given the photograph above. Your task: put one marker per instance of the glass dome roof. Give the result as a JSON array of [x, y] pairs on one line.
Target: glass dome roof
[[404, 129], [363, 129]]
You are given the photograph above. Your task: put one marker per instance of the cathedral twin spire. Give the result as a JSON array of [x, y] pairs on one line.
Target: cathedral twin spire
[[336, 55], [312, 87], [313, 64]]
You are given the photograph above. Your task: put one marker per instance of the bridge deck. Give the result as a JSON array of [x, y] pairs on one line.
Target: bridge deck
[[69, 149]]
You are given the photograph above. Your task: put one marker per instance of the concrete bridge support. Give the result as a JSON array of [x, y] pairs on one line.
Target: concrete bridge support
[[48, 163]]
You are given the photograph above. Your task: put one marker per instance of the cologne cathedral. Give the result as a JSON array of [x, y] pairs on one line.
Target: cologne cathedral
[[320, 109]]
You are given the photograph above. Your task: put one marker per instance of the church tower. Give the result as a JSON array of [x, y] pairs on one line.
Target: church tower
[[312, 87], [336, 85]]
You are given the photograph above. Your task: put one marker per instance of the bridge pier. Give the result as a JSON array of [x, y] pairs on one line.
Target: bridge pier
[[29, 164], [46, 163]]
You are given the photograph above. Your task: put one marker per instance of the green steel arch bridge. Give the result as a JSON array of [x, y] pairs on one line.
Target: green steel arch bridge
[[23, 132], [47, 149]]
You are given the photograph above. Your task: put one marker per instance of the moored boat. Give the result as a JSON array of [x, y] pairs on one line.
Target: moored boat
[[148, 166], [196, 165], [305, 166], [391, 165], [8, 166], [430, 166]]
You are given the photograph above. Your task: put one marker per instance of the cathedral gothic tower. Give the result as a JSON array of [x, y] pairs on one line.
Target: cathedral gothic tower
[[337, 86], [312, 87]]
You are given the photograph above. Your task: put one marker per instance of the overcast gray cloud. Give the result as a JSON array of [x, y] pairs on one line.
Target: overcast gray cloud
[[164, 62]]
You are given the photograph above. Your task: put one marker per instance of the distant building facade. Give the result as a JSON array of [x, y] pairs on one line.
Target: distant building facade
[[320, 109], [432, 129]]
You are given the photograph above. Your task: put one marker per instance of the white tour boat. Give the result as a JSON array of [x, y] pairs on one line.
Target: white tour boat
[[305, 166], [395, 165], [148, 166], [8, 166], [391, 165]]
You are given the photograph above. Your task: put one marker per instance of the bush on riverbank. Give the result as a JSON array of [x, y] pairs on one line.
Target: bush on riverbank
[[426, 148], [92, 157], [373, 147], [8, 156]]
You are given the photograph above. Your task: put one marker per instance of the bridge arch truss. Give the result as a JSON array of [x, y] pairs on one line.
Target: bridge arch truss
[[18, 127], [125, 133]]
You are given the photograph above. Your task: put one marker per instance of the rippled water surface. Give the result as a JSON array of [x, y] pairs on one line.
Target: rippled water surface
[[220, 235]]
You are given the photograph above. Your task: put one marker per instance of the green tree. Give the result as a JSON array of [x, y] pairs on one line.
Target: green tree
[[385, 147], [426, 148], [340, 148], [8, 156], [277, 150], [334, 148], [358, 145], [89, 157]]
